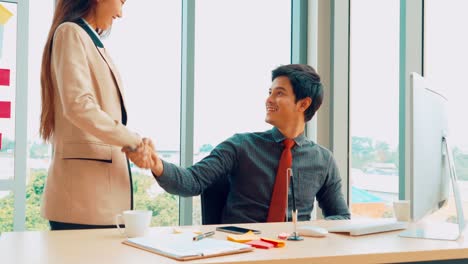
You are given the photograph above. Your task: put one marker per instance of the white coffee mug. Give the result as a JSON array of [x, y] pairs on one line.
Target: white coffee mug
[[401, 210], [136, 222]]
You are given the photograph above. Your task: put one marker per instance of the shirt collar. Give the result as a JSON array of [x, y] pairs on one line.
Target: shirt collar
[[91, 32], [278, 137]]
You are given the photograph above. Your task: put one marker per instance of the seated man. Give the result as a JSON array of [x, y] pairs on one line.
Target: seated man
[[256, 163]]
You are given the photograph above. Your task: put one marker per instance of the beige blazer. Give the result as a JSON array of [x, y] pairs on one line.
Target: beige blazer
[[88, 180]]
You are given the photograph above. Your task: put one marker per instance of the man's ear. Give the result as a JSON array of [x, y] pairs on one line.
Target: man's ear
[[304, 104]]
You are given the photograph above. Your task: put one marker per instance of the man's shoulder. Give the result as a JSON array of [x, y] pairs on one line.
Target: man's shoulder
[[317, 149], [322, 149], [249, 136], [247, 140]]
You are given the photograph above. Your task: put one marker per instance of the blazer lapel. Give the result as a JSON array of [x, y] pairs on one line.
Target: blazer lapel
[[114, 71], [100, 47], [117, 80]]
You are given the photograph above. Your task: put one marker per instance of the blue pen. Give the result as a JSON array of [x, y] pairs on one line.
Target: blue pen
[[201, 236], [295, 235]]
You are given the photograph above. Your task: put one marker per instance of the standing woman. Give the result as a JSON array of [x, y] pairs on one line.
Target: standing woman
[[84, 117]]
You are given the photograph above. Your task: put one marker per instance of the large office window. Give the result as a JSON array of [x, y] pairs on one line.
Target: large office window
[[235, 52], [147, 53], [237, 44], [8, 47], [40, 19], [445, 57], [374, 84]]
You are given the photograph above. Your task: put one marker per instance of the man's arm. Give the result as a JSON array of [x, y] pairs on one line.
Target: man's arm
[[193, 180], [330, 197]]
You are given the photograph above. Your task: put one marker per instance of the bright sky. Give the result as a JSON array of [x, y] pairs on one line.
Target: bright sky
[[374, 70], [148, 57], [445, 60], [374, 65], [233, 62]]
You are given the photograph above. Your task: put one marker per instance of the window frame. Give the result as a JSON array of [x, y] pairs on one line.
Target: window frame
[[333, 43], [299, 51], [320, 37], [17, 185]]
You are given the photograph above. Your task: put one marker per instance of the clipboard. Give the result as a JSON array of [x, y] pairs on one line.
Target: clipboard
[[182, 246]]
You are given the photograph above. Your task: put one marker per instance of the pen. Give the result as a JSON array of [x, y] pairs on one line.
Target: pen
[[292, 192], [295, 235], [201, 236]]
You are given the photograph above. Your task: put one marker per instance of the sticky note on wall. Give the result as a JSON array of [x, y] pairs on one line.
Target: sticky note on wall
[[1, 40], [5, 77], [5, 109], [5, 15]]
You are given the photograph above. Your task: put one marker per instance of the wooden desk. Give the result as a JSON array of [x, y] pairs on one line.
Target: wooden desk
[[104, 246]]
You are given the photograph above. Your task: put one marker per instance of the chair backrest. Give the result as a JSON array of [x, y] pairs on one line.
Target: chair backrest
[[213, 200]]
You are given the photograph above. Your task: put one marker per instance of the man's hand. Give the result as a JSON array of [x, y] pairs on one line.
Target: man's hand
[[141, 156], [145, 156]]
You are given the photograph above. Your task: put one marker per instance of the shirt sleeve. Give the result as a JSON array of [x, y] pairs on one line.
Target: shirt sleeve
[[330, 197], [193, 180]]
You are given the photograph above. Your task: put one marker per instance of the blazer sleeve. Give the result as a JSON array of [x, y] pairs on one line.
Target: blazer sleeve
[[72, 72]]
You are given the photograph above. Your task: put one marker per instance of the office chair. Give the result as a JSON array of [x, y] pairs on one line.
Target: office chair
[[213, 200]]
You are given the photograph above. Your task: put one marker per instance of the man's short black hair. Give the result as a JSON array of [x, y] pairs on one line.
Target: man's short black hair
[[305, 82]]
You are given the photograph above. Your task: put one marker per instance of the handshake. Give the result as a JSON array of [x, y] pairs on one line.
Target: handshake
[[145, 156]]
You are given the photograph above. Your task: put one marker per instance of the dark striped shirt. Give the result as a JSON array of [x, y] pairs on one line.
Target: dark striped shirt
[[250, 160]]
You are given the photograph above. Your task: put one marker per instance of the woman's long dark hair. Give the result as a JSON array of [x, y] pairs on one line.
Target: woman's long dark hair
[[65, 11]]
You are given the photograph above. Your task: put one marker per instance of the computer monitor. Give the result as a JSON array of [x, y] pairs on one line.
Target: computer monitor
[[429, 166]]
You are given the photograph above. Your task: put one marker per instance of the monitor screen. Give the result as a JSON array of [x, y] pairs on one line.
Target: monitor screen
[[428, 170]]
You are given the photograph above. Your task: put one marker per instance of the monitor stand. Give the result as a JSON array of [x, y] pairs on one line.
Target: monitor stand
[[443, 231]]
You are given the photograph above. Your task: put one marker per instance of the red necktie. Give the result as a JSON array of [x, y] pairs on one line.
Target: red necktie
[[277, 212]]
